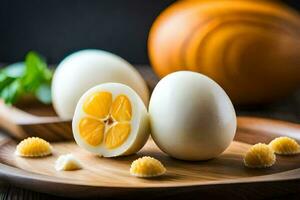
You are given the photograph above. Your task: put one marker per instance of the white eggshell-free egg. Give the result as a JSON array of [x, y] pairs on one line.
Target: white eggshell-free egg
[[192, 118], [139, 123], [84, 69]]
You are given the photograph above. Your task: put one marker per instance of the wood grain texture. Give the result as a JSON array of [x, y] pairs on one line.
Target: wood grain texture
[[110, 177], [21, 124]]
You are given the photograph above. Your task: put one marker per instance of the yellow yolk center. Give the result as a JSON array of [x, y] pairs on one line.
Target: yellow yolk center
[[107, 121]]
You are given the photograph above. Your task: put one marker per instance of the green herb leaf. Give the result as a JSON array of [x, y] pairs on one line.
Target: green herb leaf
[[15, 70], [23, 78], [43, 93], [5, 80], [12, 92], [34, 73]]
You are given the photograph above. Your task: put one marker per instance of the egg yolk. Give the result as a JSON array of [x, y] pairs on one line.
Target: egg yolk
[[107, 120]]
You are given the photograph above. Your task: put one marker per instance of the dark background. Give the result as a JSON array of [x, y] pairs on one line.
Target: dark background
[[56, 28]]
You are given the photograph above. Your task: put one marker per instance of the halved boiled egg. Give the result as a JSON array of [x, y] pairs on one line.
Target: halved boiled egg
[[111, 120]]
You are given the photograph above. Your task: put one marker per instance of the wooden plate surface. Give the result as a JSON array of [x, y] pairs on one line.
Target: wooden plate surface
[[110, 177]]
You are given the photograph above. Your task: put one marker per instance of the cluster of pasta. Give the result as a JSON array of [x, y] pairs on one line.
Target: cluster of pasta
[[34, 147], [258, 156], [262, 155]]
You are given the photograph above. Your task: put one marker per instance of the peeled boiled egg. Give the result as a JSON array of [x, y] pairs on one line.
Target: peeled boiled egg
[[111, 120], [87, 68], [191, 116]]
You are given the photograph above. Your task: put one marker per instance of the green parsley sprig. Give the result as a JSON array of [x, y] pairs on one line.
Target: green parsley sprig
[[31, 77]]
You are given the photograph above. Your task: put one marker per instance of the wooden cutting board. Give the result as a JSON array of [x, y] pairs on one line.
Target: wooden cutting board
[[110, 177]]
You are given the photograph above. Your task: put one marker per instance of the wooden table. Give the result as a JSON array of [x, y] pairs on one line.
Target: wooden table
[[287, 109]]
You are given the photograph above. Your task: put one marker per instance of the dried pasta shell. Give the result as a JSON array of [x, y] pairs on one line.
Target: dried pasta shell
[[285, 146], [259, 156], [33, 147], [146, 167]]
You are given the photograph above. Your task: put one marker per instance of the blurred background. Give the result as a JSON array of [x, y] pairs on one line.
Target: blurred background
[[57, 28]]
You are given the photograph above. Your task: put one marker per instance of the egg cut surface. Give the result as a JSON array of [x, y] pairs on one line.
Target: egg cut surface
[[191, 116], [111, 120]]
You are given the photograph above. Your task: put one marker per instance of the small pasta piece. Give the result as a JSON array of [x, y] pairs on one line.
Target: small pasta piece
[[147, 167], [285, 146], [33, 147], [259, 156]]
